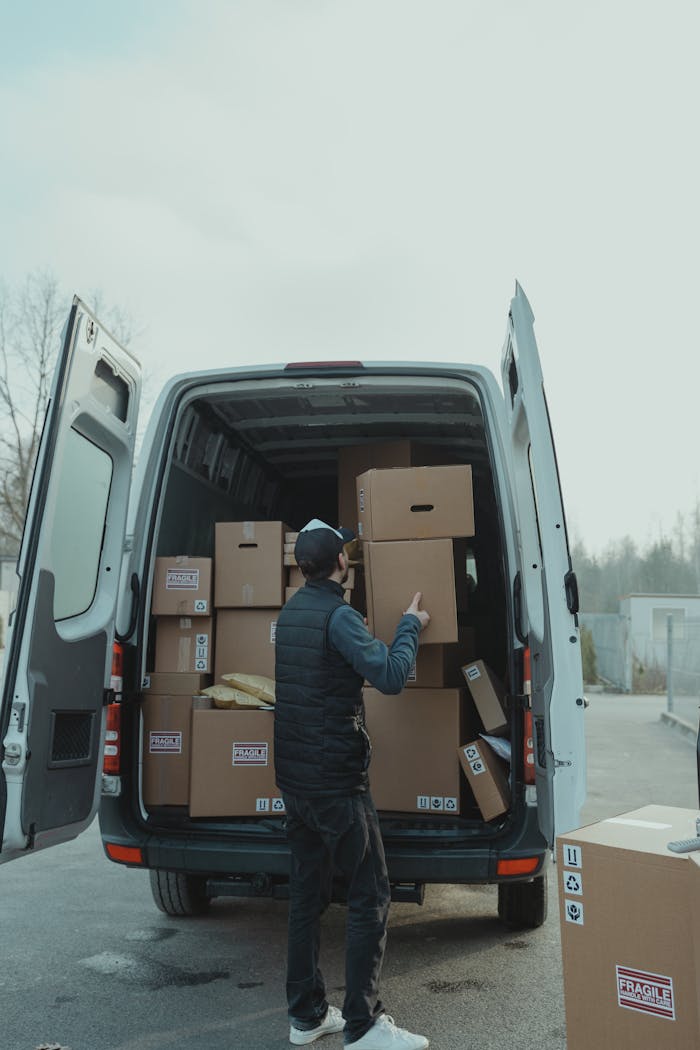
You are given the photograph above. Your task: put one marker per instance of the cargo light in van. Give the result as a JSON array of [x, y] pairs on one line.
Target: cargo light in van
[[520, 866], [124, 854]]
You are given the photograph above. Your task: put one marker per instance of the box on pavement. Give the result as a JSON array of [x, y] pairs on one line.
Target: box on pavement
[[414, 767], [356, 459], [630, 932], [184, 644], [415, 503], [233, 764], [487, 776], [248, 564], [245, 642], [488, 694], [175, 683], [395, 571], [182, 586], [166, 749]]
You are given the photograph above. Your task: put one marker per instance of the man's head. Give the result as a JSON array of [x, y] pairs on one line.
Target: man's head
[[319, 548]]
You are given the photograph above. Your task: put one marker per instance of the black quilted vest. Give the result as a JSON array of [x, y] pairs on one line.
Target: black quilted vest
[[321, 745]]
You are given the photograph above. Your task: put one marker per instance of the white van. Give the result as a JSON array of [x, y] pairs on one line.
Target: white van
[[261, 443]]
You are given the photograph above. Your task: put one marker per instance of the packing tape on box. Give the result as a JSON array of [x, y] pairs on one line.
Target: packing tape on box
[[247, 594], [184, 654], [248, 530]]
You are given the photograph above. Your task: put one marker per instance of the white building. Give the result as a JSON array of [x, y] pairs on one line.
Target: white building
[[645, 627]]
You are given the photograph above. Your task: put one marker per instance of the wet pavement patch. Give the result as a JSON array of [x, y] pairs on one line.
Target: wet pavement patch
[[147, 973], [450, 987]]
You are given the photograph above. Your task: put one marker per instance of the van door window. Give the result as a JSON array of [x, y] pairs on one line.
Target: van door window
[[81, 510]]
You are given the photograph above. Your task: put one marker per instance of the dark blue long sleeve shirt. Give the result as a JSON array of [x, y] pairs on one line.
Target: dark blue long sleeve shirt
[[385, 667]]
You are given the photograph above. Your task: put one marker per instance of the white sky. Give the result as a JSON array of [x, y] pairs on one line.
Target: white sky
[[273, 180]]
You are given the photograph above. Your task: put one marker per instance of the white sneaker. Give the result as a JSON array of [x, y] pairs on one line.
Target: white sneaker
[[384, 1035], [332, 1022]]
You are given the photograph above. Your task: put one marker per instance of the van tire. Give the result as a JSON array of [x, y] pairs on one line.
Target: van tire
[[523, 905], [177, 894]]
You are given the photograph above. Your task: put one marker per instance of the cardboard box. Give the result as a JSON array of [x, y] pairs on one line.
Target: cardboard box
[[184, 644], [356, 459], [289, 592], [175, 683], [488, 695], [393, 574], [248, 564], [182, 586], [166, 749], [233, 764], [630, 932], [487, 777], [296, 577], [440, 666], [245, 642], [414, 766], [415, 503], [291, 537]]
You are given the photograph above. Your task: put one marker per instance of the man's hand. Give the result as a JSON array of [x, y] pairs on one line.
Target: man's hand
[[414, 609]]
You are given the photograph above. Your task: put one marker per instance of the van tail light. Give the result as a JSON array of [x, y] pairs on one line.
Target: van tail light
[[113, 741], [528, 741], [116, 683], [124, 854], [528, 748]]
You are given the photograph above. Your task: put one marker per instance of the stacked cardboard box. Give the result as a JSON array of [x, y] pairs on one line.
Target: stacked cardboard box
[[486, 773], [414, 522], [181, 604], [249, 591]]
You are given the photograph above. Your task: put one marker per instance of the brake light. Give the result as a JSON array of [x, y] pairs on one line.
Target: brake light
[[112, 753], [117, 680], [521, 866], [528, 748], [125, 854], [323, 364]]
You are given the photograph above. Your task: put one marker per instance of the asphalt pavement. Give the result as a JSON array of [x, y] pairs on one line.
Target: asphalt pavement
[[89, 963]]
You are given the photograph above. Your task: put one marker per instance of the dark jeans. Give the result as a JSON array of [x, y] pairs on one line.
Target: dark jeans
[[325, 836]]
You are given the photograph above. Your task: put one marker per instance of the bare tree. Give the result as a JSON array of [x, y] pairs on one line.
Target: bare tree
[[31, 319]]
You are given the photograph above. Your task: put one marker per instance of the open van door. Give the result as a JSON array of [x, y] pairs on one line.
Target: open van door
[[548, 585], [58, 658]]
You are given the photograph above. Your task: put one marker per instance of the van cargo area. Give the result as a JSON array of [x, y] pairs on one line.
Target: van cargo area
[[289, 450]]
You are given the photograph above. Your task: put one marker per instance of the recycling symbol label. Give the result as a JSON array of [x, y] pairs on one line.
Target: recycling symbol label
[[573, 882], [277, 805], [200, 605], [574, 912]]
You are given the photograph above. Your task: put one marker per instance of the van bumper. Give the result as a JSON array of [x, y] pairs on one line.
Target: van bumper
[[421, 859]]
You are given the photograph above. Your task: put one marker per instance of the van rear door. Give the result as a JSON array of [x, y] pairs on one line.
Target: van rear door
[[550, 597], [58, 658]]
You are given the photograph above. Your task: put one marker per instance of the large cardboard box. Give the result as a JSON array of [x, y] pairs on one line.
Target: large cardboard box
[[488, 695], [630, 932], [175, 683], [393, 574], [414, 766], [245, 642], [415, 503], [233, 764], [487, 777], [184, 644], [356, 459], [296, 577], [249, 568], [440, 666], [182, 586], [166, 749]]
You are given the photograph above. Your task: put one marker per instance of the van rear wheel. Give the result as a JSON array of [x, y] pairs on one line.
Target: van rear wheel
[[177, 894], [523, 905]]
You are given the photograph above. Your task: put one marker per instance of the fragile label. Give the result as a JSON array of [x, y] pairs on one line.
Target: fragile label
[[573, 856], [165, 743], [182, 579], [362, 501], [574, 912], [273, 631], [249, 754], [412, 674], [573, 882], [649, 993]]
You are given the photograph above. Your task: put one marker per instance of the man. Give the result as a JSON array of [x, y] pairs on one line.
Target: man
[[324, 653]]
